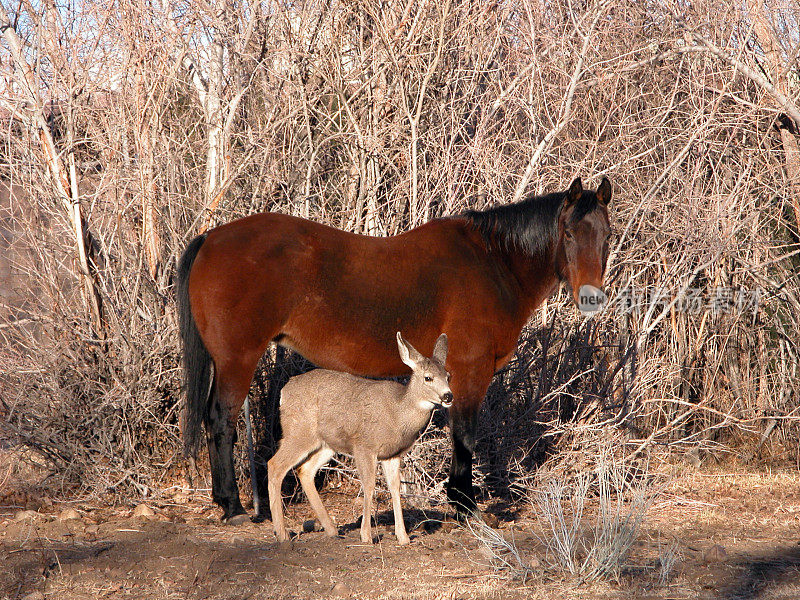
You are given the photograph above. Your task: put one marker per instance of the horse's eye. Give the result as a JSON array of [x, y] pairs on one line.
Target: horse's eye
[[568, 234], [428, 378]]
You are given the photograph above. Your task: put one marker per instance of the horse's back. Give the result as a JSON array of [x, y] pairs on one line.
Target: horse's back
[[336, 297]]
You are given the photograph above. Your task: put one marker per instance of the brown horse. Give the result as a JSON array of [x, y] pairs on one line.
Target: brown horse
[[338, 299]]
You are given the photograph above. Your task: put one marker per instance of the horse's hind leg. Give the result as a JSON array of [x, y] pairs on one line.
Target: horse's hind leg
[[226, 401]]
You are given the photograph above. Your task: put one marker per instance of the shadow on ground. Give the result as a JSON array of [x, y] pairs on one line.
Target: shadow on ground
[[764, 577]]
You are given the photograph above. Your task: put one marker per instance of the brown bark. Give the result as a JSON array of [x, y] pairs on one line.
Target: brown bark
[[766, 36]]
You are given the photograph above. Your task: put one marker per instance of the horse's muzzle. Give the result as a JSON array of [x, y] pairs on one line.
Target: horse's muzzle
[[590, 299]]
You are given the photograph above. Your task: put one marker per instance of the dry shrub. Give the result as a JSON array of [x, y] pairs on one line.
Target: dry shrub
[[374, 118], [593, 546], [589, 516]]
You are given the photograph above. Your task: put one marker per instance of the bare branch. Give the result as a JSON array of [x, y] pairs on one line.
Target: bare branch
[[784, 103]]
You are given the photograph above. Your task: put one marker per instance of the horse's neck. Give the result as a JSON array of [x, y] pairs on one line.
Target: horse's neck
[[536, 276]]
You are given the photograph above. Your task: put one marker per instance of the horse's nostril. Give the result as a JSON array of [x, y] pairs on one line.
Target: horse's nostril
[[447, 398]]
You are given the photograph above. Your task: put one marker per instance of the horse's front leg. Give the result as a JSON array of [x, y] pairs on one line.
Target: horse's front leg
[[469, 383], [460, 493]]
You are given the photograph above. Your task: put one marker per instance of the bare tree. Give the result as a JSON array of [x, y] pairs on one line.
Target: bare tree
[[63, 178], [152, 122]]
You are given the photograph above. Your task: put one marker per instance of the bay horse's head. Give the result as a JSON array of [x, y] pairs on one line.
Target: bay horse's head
[[582, 251]]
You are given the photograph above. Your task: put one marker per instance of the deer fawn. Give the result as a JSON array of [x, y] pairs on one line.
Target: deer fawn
[[324, 412]]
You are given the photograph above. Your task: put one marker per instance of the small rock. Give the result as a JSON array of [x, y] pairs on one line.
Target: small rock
[[715, 554], [491, 520], [92, 529], [69, 514], [448, 525], [26, 515], [34, 596], [340, 590], [237, 520], [142, 510], [534, 562], [309, 526]]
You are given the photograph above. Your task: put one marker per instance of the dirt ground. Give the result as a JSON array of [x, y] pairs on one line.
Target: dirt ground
[[737, 535]]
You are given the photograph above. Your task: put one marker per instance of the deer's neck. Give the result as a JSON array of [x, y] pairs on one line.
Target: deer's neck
[[412, 412]]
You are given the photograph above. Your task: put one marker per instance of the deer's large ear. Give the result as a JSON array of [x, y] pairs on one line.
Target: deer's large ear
[[604, 192], [440, 349], [408, 354], [575, 192]]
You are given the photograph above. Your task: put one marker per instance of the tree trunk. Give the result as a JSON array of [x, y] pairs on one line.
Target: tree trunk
[[64, 182], [766, 36]]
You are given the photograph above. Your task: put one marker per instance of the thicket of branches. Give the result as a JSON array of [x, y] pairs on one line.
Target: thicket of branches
[[127, 129]]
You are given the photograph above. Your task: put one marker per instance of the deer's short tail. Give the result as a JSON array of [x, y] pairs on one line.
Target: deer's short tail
[[197, 363]]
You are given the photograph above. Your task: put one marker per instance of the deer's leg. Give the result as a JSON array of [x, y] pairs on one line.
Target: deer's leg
[[391, 469], [306, 473], [367, 466], [277, 468], [276, 471]]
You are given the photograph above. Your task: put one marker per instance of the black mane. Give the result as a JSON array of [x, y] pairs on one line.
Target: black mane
[[529, 226]]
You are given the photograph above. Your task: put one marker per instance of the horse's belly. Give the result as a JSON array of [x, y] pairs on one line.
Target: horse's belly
[[330, 353], [356, 332]]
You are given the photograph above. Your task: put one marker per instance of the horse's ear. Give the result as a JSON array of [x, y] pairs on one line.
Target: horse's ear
[[440, 349], [575, 191], [604, 192]]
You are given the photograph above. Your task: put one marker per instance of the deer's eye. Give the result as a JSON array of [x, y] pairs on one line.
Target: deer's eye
[[428, 378]]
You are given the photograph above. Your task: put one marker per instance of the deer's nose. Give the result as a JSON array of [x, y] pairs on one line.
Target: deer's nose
[[447, 399]]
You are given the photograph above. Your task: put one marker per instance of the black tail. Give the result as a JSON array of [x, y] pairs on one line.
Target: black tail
[[196, 359]]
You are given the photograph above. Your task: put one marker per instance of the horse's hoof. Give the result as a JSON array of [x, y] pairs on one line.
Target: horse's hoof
[[476, 515], [449, 523], [465, 508], [463, 515], [239, 519]]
